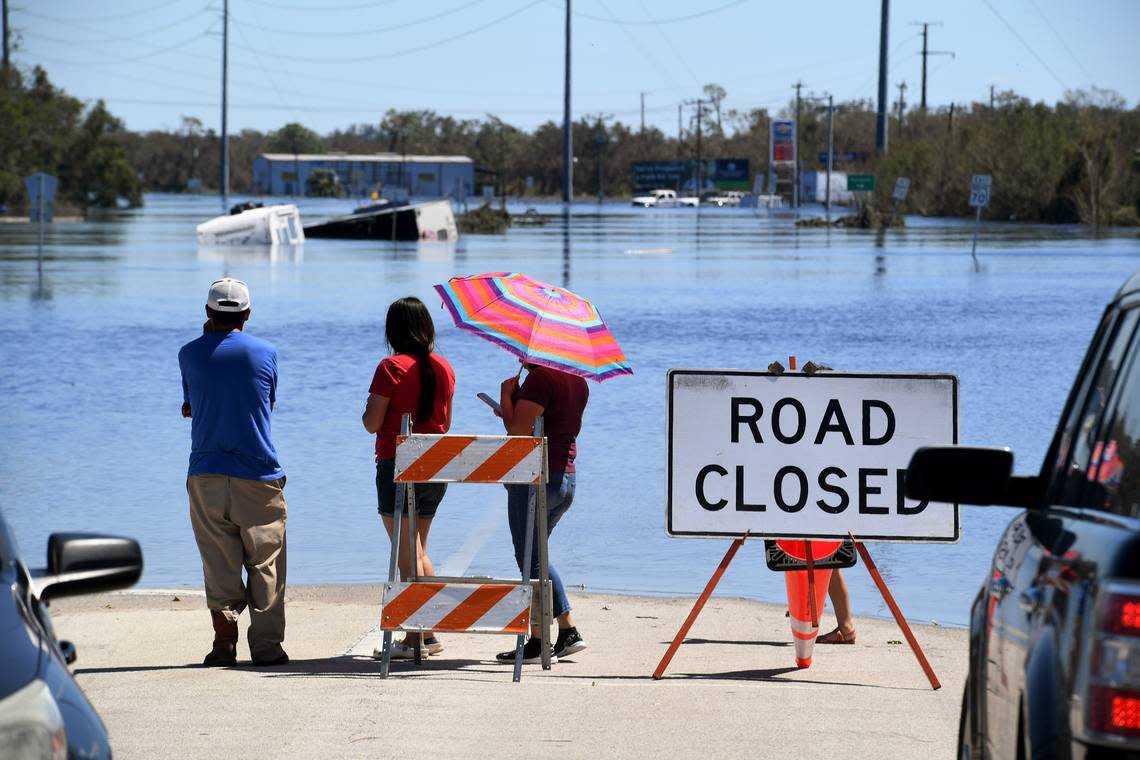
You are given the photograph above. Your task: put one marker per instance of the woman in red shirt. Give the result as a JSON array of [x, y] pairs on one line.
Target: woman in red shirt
[[413, 380]]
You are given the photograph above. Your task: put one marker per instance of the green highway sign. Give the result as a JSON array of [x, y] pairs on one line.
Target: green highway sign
[[860, 183]]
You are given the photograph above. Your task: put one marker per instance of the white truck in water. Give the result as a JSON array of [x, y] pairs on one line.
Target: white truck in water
[[664, 198]]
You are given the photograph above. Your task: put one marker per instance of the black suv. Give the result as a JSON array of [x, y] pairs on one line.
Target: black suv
[[43, 712], [1055, 630]]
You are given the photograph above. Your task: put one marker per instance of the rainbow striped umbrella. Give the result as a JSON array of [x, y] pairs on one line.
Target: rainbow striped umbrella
[[539, 323]]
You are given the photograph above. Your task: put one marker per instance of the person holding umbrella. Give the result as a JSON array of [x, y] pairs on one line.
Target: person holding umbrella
[[413, 380], [560, 399], [561, 340]]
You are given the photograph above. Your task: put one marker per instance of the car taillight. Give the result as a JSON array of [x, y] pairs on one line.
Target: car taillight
[[1114, 665], [1114, 711]]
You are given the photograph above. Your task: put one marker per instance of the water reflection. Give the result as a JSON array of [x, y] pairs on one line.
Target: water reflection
[[566, 247], [251, 254]]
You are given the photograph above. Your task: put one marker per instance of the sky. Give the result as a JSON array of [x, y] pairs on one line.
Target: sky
[[330, 64]]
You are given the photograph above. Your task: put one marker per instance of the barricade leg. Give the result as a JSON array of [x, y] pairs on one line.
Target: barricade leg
[[700, 604], [903, 625], [393, 562], [413, 527], [544, 593], [528, 547]]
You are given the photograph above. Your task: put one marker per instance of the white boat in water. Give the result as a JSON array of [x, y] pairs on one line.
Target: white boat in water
[[254, 224]]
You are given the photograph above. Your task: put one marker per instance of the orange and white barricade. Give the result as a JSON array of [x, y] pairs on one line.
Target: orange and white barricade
[[459, 604]]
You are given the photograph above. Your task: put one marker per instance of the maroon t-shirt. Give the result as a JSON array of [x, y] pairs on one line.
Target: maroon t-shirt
[[398, 378], [563, 399]]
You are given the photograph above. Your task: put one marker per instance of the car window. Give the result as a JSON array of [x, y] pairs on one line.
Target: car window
[[1085, 422], [1112, 477]]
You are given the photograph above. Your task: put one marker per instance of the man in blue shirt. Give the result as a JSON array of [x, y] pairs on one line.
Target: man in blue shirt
[[236, 485]]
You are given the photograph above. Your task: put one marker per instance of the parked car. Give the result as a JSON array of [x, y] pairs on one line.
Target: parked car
[[1054, 667], [664, 198], [43, 712]]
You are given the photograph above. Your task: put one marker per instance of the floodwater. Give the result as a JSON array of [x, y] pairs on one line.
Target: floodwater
[[92, 440]]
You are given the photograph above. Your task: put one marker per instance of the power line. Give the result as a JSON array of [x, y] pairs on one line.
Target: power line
[[1061, 39], [347, 7], [308, 33], [645, 53], [396, 53], [669, 42], [133, 35], [673, 20], [1021, 39], [158, 50], [137, 13]]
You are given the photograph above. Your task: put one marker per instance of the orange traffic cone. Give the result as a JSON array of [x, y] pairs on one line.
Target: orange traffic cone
[[799, 611]]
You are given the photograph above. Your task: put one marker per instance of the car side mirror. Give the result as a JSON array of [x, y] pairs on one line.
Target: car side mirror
[[87, 563], [960, 474]]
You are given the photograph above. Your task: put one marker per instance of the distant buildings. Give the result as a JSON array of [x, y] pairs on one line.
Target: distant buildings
[[361, 173]]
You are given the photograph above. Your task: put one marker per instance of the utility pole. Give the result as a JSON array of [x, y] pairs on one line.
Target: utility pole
[[927, 52], [5, 31], [830, 148], [902, 103], [881, 119], [567, 137], [225, 168], [679, 127], [951, 121], [642, 113], [991, 97], [700, 165], [796, 183]]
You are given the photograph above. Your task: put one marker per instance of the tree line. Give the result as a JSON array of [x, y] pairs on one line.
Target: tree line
[[1076, 161], [44, 129]]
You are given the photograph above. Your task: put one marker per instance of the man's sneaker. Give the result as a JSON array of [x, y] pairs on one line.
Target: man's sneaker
[[532, 653], [569, 642], [432, 645]]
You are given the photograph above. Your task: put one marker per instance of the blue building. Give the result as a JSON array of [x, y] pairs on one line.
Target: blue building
[[362, 173]]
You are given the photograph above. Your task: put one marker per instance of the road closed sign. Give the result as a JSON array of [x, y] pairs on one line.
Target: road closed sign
[[805, 456]]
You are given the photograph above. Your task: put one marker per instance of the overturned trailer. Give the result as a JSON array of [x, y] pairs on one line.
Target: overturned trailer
[[430, 220]]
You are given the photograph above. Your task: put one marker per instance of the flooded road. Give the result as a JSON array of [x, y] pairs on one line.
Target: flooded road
[[89, 385]]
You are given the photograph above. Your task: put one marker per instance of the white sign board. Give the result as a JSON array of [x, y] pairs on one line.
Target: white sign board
[[805, 456], [902, 186], [980, 185]]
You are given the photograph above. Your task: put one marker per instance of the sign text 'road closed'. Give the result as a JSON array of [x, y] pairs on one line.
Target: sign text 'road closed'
[[811, 456]]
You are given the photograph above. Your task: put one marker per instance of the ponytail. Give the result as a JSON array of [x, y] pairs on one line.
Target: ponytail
[[410, 330]]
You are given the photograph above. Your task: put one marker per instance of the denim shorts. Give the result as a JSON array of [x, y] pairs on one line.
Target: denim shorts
[[428, 495]]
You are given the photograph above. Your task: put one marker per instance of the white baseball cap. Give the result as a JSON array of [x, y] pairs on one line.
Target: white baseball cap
[[228, 294]]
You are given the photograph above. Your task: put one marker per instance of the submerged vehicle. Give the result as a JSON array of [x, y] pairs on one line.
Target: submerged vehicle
[[391, 220], [254, 224], [664, 198]]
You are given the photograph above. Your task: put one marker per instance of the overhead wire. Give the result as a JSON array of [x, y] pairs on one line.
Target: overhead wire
[[673, 20], [133, 35], [1025, 44], [135, 13], [661, 70], [308, 33], [324, 7], [669, 42], [1076, 60], [405, 51]]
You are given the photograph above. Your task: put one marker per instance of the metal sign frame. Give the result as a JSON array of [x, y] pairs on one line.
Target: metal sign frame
[[536, 511]]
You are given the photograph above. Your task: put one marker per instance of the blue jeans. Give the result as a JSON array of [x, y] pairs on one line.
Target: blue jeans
[[559, 497]]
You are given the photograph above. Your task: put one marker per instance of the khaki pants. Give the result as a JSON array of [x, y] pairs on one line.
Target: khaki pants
[[241, 523]]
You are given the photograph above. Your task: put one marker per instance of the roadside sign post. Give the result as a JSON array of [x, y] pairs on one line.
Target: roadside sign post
[[980, 187], [902, 187], [861, 183], [805, 459], [41, 199]]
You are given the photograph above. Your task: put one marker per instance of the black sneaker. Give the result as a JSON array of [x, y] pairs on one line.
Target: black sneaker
[[569, 642], [531, 653]]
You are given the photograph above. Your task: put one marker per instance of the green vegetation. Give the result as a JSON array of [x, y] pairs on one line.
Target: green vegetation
[[484, 220], [1077, 161], [43, 129], [323, 183]]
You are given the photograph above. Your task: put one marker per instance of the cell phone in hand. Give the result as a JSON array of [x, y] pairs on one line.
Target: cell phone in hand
[[490, 402]]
